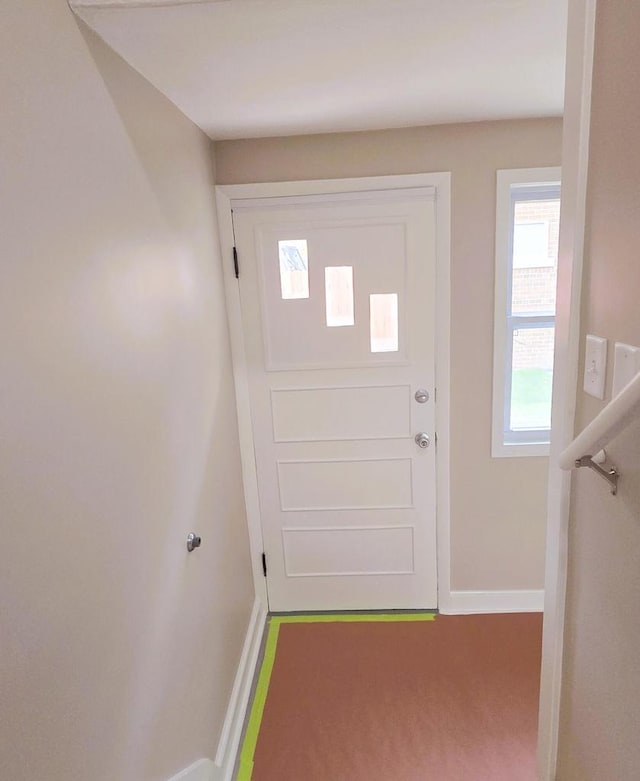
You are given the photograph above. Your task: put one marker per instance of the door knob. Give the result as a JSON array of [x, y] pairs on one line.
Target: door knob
[[422, 439]]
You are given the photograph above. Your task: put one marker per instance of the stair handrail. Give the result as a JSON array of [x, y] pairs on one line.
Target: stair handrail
[[608, 423]]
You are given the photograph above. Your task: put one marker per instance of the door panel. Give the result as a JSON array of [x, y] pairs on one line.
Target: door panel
[[331, 414], [338, 307], [358, 484], [377, 550]]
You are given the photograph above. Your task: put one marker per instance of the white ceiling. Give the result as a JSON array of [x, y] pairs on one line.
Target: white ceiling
[[249, 68]]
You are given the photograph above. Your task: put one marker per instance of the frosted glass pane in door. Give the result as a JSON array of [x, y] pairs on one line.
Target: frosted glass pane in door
[[383, 312], [338, 285], [294, 268]]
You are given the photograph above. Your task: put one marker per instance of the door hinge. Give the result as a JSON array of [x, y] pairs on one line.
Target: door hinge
[[236, 267], [264, 564]]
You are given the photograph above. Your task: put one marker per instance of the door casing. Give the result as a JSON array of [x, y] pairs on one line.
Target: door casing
[[575, 169], [225, 195]]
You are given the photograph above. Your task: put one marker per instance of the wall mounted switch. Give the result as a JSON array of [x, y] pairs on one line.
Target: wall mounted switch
[[595, 366], [626, 365]]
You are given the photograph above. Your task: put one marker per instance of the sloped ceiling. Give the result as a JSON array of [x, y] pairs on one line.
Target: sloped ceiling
[[249, 68]]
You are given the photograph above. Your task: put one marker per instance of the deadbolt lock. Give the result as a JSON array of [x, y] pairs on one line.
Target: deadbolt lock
[[421, 396]]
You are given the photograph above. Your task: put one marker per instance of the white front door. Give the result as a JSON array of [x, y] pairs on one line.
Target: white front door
[[338, 307]]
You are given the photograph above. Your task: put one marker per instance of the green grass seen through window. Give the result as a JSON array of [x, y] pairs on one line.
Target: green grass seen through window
[[531, 399]]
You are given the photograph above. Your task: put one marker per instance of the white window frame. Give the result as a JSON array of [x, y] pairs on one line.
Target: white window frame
[[540, 181]]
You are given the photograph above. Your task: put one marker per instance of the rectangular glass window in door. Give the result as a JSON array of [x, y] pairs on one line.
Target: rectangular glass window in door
[[338, 283], [294, 268], [383, 325]]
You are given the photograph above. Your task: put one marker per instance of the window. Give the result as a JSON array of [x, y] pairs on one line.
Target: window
[[383, 322], [338, 291], [527, 223], [294, 268]]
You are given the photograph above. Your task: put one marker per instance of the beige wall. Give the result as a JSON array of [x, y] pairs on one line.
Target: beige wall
[[118, 432], [601, 680], [498, 506]]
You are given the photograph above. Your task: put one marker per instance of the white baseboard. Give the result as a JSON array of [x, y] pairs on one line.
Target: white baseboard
[[239, 699], [202, 770], [222, 768], [516, 601]]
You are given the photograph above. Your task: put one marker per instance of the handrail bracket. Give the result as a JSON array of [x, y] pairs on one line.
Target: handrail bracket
[[610, 474]]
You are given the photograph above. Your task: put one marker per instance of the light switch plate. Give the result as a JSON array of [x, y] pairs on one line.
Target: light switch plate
[[595, 366], [626, 365]]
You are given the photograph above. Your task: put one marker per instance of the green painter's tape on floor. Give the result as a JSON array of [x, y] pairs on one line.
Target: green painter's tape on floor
[[245, 770], [327, 618], [257, 709]]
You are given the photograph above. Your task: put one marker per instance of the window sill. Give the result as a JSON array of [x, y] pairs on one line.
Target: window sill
[[519, 449]]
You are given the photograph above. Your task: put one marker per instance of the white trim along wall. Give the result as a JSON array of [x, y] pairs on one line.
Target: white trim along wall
[[516, 601], [441, 181], [229, 742], [221, 769], [575, 159], [202, 770]]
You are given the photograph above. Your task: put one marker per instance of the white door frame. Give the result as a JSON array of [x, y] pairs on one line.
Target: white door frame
[[575, 162], [225, 194]]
